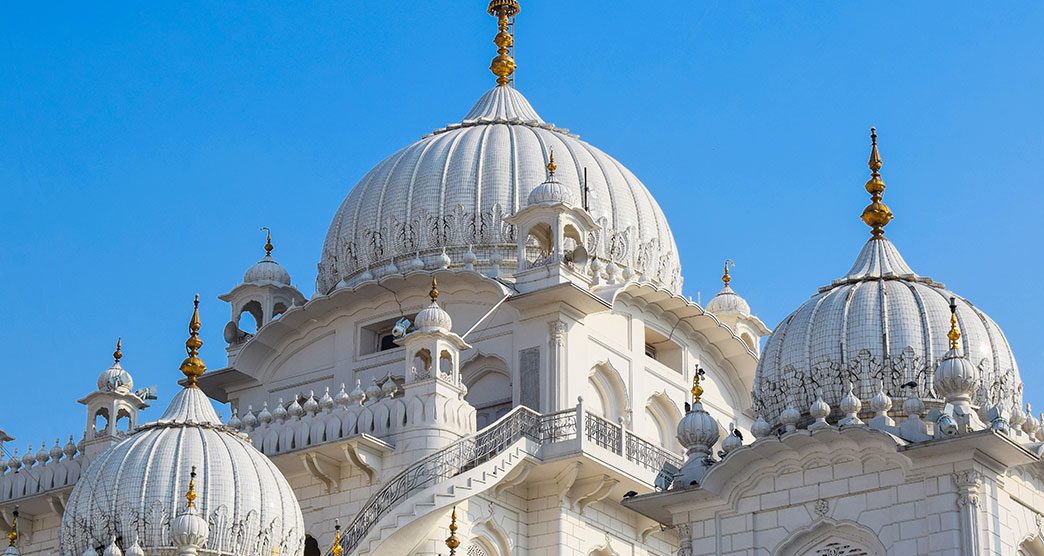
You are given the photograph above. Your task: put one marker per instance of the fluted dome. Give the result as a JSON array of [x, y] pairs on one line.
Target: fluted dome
[[136, 488], [114, 378], [880, 321], [728, 301], [266, 271], [453, 188]]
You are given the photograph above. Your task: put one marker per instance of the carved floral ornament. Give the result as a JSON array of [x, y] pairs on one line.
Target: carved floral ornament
[[799, 387], [394, 247]]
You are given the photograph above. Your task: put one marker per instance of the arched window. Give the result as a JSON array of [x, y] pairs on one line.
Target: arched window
[[489, 388], [250, 325], [828, 538], [539, 240], [101, 421]]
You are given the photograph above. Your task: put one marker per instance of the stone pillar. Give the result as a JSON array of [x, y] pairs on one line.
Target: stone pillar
[[969, 489], [557, 357]]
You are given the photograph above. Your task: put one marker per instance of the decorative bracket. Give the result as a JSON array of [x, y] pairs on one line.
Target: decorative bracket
[[587, 492], [565, 479], [517, 476], [369, 460], [324, 468]]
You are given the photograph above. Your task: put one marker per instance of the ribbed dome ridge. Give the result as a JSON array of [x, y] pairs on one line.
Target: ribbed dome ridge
[[503, 103], [190, 405], [878, 259], [881, 321], [449, 194]]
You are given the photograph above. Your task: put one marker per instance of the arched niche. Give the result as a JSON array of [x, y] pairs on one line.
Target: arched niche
[[490, 388], [606, 393], [664, 415], [830, 538]]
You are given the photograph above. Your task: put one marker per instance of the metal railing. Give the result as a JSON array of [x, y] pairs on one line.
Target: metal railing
[[472, 451]]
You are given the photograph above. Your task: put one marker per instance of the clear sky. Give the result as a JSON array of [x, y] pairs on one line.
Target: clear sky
[[142, 145]]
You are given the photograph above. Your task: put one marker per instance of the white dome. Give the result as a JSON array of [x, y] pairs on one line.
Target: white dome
[[881, 321], [728, 301], [453, 188], [115, 377], [137, 487], [551, 192], [266, 271]]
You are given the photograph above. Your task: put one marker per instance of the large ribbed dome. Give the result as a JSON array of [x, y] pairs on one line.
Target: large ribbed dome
[[135, 489], [879, 322], [453, 188]]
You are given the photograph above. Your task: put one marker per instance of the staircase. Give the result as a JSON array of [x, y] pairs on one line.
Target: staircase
[[404, 527], [410, 501]]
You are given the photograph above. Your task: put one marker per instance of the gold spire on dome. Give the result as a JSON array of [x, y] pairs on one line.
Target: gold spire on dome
[[118, 354], [190, 496], [268, 240], [877, 215], [434, 293], [503, 66], [725, 278], [336, 549], [697, 390], [954, 334], [12, 536], [551, 167], [193, 367], [452, 542]]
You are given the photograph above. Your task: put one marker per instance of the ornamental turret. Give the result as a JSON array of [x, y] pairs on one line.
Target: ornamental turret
[[264, 294], [433, 385], [112, 409], [698, 432], [552, 228], [733, 310]]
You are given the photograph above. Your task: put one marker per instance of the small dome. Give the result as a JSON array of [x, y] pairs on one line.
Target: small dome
[[728, 301], [879, 320], [698, 430], [152, 465], [116, 377], [433, 318], [956, 377], [267, 271]]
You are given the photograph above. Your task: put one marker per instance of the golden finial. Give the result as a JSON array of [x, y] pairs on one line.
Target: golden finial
[[503, 65], [877, 215], [268, 240], [725, 278], [954, 334], [551, 163], [118, 354], [12, 537], [452, 541], [434, 293], [697, 390], [190, 496], [193, 367], [336, 549]]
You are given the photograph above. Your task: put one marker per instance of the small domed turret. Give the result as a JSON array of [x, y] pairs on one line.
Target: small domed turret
[[116, 377], [267, 270], [551, 191], [433, 317], [956, 379]]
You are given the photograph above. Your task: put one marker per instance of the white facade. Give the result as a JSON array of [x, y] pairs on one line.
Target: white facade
[[541, 386]]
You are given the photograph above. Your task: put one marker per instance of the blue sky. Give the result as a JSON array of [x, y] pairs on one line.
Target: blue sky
[[143, 144]]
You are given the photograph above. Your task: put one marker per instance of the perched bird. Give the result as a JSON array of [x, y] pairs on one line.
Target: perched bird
[[630, 494]]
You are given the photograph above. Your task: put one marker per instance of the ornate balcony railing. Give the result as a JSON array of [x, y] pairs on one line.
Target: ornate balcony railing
[[472, 451]]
